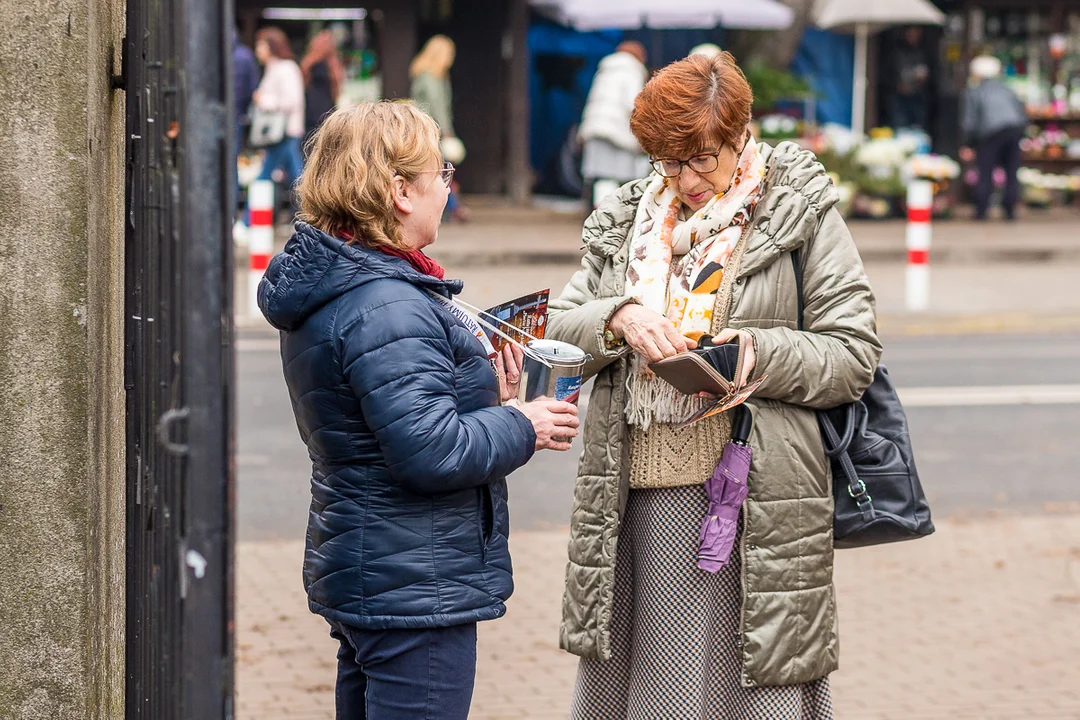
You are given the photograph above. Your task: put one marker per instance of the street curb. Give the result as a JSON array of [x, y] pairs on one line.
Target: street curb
[[1014, 323]]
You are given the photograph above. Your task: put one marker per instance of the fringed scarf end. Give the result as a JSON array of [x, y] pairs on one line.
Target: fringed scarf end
[[651, 399]]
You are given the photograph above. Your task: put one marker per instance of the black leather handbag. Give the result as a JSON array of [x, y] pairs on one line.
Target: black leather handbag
[[876, 487]]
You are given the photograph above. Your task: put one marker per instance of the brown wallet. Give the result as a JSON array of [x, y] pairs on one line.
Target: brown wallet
[[691, 374]]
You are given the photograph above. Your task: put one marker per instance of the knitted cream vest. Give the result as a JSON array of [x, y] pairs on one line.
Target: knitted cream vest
[[662, 456]]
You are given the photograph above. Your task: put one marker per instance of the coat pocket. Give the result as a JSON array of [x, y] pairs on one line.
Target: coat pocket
[[485, 516]]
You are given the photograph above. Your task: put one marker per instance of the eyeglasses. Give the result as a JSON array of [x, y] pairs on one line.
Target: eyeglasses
[[672, 167], [446, 172]]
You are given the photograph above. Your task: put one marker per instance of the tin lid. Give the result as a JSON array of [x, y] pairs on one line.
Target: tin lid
[[558, 352]]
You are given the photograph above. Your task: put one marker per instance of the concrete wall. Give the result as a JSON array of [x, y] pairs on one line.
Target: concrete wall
[[61, 361]]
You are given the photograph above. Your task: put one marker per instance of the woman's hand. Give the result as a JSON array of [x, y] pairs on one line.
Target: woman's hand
[[648, 333], [749, 357], [508, 365], [555, 422]]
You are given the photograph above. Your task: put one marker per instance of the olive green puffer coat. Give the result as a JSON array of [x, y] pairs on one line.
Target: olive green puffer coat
[[789, 623]]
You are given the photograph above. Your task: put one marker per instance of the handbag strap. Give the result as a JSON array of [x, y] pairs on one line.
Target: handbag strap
[[835, 445]]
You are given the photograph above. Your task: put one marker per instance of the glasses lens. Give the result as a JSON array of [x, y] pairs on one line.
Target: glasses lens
[[703, 163], [667, 167]]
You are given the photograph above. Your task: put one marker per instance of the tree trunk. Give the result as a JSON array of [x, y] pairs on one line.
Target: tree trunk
[[776, 47]]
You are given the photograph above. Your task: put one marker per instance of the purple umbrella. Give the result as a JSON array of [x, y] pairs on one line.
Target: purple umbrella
[[726, 490]]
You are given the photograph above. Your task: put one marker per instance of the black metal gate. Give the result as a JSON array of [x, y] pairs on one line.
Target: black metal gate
[[178, 359]]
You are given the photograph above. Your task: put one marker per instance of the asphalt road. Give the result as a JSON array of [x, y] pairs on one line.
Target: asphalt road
[[984, 440]]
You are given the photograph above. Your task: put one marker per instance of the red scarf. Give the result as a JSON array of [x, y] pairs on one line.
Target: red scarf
[[416, 258]]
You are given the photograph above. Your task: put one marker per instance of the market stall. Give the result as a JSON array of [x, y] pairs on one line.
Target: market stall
[[1038, 44]]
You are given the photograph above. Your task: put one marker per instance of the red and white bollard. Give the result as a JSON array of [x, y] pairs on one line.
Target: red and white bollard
[[920, 201], [260, 237]]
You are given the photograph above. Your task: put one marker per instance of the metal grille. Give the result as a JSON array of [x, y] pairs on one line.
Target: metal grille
[[178, 359]]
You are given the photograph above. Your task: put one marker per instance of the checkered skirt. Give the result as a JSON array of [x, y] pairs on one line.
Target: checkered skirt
[[675, 629]]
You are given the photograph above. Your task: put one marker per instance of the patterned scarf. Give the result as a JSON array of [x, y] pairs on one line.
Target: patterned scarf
[[676, 268]]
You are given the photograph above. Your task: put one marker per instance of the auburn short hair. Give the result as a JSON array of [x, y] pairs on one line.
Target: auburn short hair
[[347, 186], [693, 106]]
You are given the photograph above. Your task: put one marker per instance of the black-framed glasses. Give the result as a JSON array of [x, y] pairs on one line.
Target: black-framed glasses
[[672, 167]]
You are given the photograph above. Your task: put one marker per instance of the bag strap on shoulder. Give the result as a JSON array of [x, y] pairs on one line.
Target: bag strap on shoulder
[[835, 445], [796, 262]]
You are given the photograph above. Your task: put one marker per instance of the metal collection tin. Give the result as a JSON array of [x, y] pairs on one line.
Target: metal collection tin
[[561, 381]]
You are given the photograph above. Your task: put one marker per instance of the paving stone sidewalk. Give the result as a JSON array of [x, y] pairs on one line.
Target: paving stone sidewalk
[[981, 620]]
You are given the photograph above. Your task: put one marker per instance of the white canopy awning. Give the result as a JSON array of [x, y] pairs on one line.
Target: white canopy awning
[[863, 17], [876, 14], [633, 14]]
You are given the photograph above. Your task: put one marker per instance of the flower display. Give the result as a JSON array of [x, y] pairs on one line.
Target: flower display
[[778, 127], [930, 167], [883, 155], [1048, 181], [1050, 141]]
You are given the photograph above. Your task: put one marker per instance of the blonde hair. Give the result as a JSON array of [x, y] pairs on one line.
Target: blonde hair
[[435, 58], [347, 187]]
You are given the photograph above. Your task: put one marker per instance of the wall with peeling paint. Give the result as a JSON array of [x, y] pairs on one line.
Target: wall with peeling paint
[[61, 361]]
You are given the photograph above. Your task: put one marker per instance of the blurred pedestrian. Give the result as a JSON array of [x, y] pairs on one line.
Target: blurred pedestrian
[[281, 91], [704, 248], [323, 75], [432, 92], [706, 49], [245, 80], [410, 431], [910, 100], [994, 120], [611, 155]]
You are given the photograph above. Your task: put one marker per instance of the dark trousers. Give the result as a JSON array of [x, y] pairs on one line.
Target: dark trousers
[[1000, 150], [909, 111], [405, 674]]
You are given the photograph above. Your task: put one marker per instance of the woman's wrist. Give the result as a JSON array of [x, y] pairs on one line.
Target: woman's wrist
[[614, 330]]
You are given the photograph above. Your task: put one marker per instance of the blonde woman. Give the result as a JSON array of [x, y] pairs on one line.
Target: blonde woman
[[430, 89], [400, 409]]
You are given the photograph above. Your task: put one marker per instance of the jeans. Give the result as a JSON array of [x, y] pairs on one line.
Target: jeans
[[287, 156], [405, 674], [1002, 149]]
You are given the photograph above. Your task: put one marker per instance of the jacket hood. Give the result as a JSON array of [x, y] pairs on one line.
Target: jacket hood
[[316, 268]]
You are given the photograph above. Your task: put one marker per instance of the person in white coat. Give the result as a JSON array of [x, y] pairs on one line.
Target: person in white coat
[[611, 155], [281, 91]]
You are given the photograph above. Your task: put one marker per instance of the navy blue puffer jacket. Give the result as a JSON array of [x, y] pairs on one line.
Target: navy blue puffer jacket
[[409, 447]]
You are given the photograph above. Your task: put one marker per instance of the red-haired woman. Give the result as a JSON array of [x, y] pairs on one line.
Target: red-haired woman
[[323, 76], [281, 91], [703, 247]]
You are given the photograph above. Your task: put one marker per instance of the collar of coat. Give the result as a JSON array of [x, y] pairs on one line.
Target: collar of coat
[[796, 195]]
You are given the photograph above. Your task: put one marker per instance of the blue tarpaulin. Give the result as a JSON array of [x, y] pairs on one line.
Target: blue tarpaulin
[[562, 63], [827, 61]]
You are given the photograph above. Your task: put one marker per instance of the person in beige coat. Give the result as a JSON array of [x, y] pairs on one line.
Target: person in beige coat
[[704, 247]]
